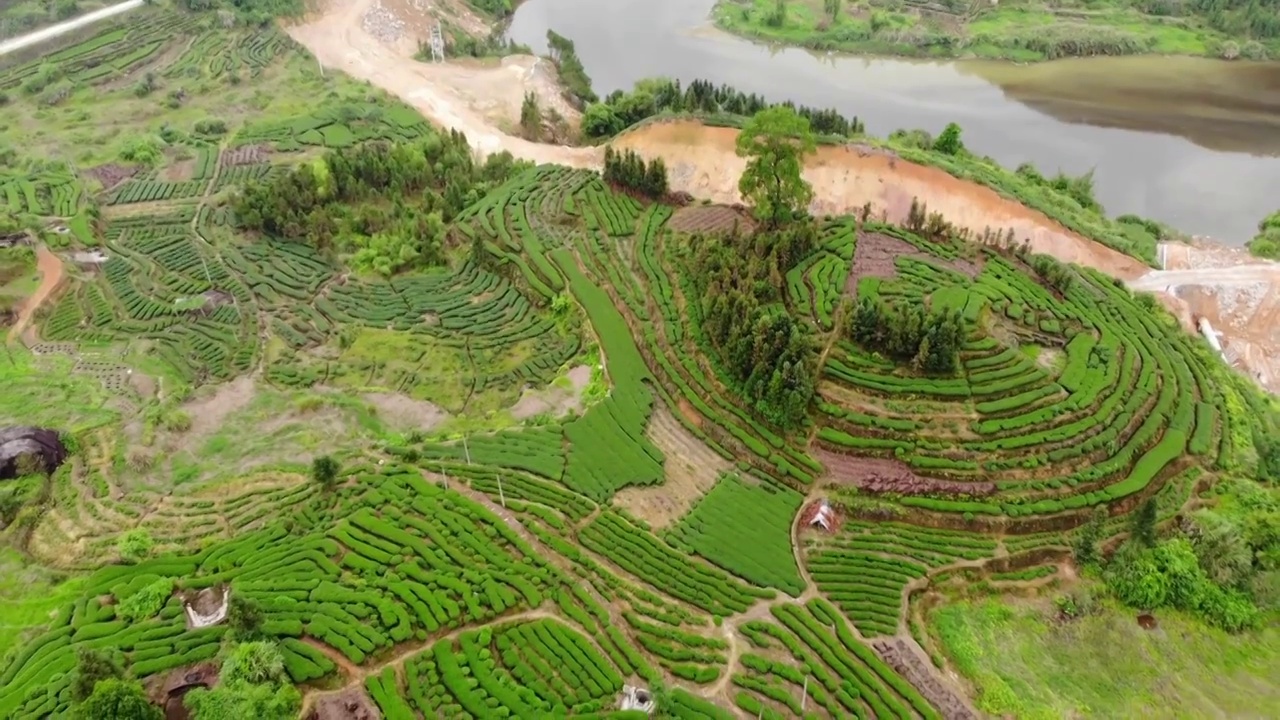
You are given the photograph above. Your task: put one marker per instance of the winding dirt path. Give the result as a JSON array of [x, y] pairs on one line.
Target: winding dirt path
[[52, 274]]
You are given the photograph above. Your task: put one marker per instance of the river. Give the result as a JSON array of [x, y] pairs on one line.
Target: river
[[1189, 142]]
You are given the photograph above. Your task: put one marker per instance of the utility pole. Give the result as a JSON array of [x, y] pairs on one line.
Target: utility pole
[[502, 497], [804, 694]]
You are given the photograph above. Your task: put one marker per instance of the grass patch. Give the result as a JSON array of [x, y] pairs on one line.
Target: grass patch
[[1105, 665], [1020, 34]]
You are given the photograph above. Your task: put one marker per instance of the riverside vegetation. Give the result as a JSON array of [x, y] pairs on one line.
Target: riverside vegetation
[[1021, 31], [284, 251]]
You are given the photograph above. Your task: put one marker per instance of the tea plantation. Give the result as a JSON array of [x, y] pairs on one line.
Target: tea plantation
[[654, 534]]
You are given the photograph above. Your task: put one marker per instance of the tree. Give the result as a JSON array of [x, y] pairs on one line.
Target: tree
[[324, 470], [600, 120], [1085, 546], [832, 8], [134, 545], [775, 142], [252, 683], [1143, 526], [92, 667], [244, 616], [255, 663], [116, 699], [948, 143], [778, 17], [1220, 546], [531, 117], [238, 700]]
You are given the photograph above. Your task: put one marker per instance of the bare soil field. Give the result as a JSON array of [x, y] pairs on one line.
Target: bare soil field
[[1237, 294], [404, 413], [875, 255], [711, 218], [891, 476], [691, 470], [554, 400], [907, 658]]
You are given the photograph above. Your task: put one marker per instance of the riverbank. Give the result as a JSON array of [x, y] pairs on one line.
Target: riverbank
[[924, 29]]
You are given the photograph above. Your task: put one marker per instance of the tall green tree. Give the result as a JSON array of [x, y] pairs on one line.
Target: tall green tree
[[531, 116], [324, 470], [775, 142], [1143, 525], [116, 699], [949, 142], [92, 667]]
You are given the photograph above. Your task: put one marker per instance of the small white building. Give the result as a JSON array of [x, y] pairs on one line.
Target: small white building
[[634, 698]]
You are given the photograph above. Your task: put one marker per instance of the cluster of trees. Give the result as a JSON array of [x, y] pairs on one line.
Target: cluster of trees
[[256, 11], [1252, 18], [930, 341], [496, 8], [252, 681], [1079, 188], [18, 17], [738, 279], [1266, 243], [572, 74], [930, 225], [620, 110], [1221, 563], [949, 142], [383, 206], [629, 171]]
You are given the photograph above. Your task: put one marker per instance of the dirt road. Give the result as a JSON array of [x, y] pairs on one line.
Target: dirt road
[[51, 276], [53, 31], [1238, 295], [1238, 275], [338, 38]]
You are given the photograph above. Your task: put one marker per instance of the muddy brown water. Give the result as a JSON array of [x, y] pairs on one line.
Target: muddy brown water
[[1187, 141]]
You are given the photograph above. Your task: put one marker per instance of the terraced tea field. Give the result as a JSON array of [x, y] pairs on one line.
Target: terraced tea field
[[655, 532]]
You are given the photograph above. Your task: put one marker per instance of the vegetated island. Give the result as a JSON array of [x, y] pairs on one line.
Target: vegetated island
[[1022, 31], [303, 427]]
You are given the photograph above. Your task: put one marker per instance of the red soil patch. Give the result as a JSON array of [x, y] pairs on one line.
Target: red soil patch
[[882, 475], [689, 413]]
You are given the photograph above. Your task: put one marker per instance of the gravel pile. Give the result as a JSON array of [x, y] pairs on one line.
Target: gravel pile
[[383, 24]]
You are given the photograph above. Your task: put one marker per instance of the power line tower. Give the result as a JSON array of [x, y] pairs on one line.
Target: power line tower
[[437, 43]]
